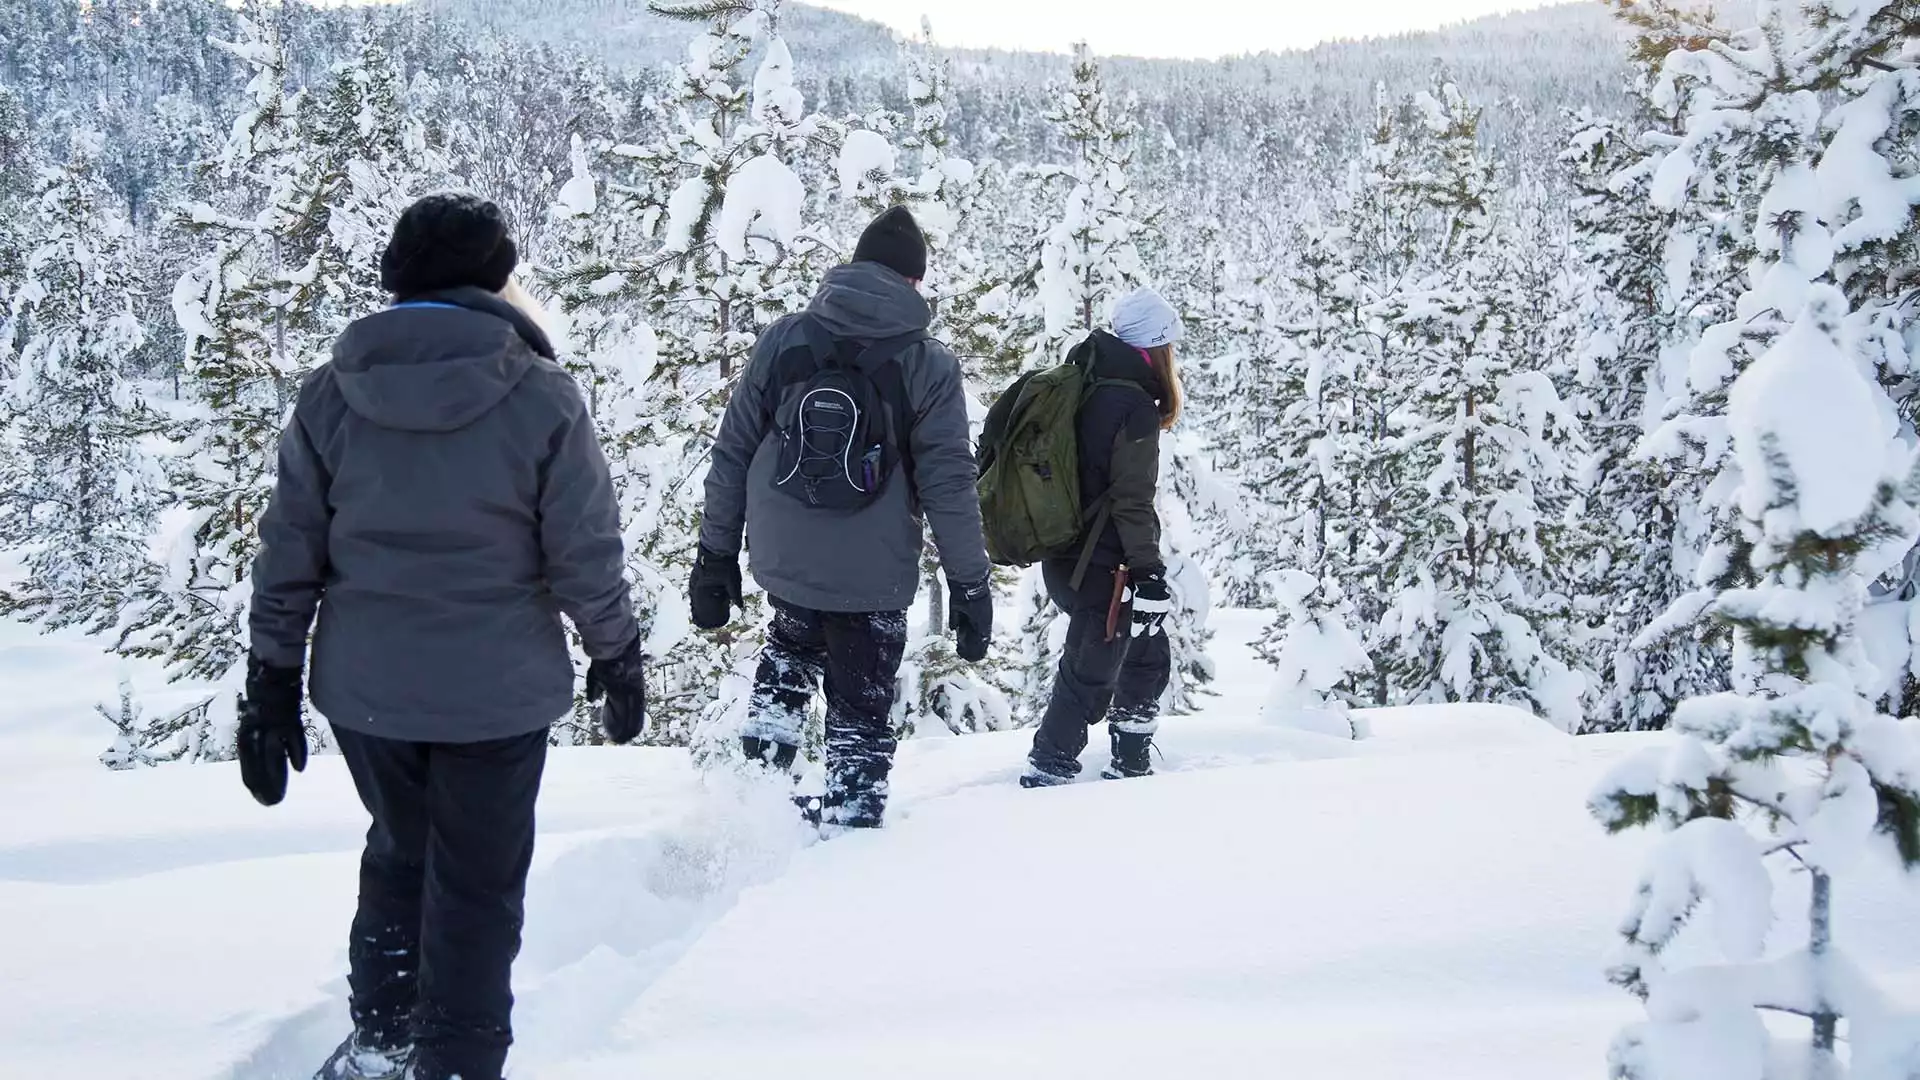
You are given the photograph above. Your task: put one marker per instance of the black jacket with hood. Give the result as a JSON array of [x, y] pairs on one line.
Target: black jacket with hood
[[1119, 432], [442, 500]]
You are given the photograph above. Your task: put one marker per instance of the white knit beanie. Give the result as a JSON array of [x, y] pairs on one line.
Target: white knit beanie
[[1144, 320]]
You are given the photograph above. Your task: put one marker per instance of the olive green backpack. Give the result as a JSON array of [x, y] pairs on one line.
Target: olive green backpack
[[1030, 493]]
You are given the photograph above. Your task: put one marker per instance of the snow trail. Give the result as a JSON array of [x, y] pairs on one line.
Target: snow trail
[[1432, 900]]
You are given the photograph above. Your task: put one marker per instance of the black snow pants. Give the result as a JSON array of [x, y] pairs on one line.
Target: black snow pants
[[442, 887], [1122, 679], [857, 655]]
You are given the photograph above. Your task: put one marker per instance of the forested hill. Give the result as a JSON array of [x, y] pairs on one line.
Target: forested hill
[[1527, 67], [1232, 121]]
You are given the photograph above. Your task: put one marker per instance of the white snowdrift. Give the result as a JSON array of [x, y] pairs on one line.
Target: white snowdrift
[[1432, 901]]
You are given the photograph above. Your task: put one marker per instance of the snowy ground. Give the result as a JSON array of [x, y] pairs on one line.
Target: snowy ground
[[1432, 902]]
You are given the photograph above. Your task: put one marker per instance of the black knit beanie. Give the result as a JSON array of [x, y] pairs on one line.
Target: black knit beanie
[[448, 241], [894, 241]]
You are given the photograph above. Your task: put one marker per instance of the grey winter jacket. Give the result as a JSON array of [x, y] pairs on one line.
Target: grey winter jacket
[[867, 560], [442, 501]]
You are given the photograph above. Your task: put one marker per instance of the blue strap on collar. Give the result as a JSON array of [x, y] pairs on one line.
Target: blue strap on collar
[[427, 304]]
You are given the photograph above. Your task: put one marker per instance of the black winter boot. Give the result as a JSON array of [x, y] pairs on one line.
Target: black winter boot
[[1037, 777], [1132, 756]]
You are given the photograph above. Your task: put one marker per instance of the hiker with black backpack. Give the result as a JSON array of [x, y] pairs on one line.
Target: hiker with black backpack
[[847, 430], [1070, 466]]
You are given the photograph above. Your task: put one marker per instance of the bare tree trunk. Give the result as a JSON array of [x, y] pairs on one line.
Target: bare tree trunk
[[936, 600], [1825, 1022]]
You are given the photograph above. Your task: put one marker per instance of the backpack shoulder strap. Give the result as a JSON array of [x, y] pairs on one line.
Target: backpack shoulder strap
[[887, 350], [803, 358], [1000, 417], [880, 362]]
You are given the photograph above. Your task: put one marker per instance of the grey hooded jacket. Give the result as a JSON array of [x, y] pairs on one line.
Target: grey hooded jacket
[[868, 560], [442, 501]]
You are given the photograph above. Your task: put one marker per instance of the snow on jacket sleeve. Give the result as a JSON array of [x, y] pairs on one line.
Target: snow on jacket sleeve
[[742, 429], [580, 541], [945, 473], [290, 570], [1135, 478]]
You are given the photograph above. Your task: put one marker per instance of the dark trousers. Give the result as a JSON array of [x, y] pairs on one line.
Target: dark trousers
[[1122, 678], [442, 889], [857, 655]]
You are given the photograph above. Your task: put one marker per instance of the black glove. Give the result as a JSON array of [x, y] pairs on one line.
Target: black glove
[[623, 682], [715, 589], [970, 617], [271, 734], [1152, 603]]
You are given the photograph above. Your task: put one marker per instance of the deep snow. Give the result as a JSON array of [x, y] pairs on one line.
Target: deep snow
[[1432, 902]]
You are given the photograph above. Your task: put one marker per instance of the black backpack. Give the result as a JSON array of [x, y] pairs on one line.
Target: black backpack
[[843, 418]]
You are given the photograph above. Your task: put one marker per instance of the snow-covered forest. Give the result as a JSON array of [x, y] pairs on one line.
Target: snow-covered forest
[[1463, 359], [1567, 361], [1463, 332]]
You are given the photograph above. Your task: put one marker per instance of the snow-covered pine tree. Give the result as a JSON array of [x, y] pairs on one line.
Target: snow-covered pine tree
[[1032, 653], [1379, 216], [1820, 487], [699, 235], [290, 255], [1657, 277], [1798, 749], [1870, 170], [79, 494], [1307, 464], [369, 158], [1087, 256], [1188, 489], [1632, 329], [612, 352], [1821, 94], [1310, 403], [16, 177], [1315, 654], [1707, 248], [189, 735], [1235, 439], [1485, 460], [964, 286]]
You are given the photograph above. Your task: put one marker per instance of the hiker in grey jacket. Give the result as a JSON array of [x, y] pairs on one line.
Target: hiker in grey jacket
[[441, 502], [841, 579]]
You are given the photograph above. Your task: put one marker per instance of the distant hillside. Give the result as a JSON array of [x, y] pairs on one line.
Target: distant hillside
[[1525, 68]]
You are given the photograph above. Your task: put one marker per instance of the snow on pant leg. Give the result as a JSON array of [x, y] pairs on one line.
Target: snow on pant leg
[[482, 798], [791, 666], [383, 952], [863, 671], [1089, 666], [1143, 679]]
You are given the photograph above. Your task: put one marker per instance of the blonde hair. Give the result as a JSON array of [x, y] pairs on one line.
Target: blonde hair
[[1175, 399], [530, 306]]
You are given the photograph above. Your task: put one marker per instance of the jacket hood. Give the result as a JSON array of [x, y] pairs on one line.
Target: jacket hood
[[438, 362], [1111, 358], [865, 301]]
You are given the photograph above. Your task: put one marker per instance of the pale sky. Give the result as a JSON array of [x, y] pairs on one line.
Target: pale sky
[[1179, 28]]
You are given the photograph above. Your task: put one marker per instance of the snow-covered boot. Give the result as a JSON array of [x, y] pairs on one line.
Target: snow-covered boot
[[357, 1060], [813, 808], [1132, 756], [1037, 777], [768, 754], [861, 804]]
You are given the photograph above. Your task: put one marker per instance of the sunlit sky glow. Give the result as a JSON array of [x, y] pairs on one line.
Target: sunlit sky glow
[[1182, 28]]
